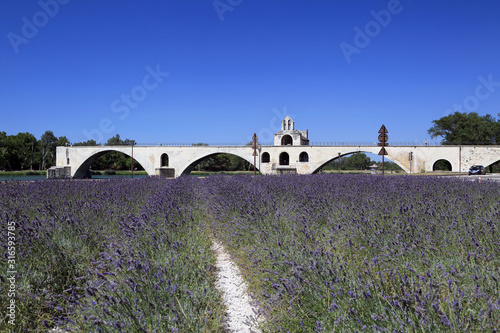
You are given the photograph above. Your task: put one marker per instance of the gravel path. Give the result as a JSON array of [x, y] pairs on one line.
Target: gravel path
[[242, 315]]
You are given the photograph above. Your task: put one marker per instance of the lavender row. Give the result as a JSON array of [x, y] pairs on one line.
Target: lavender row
[[110, 256], [346, 253]]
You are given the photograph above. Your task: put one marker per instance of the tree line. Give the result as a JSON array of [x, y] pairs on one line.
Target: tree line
[[24, 151], [359, 161]]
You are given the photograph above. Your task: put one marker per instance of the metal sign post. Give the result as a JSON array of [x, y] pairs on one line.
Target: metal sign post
[[382, 138], [132, 160], [410, 158], [254, 146]]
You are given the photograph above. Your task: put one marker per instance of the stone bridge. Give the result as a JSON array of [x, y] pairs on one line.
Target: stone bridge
[[175, 161], [290, 153]]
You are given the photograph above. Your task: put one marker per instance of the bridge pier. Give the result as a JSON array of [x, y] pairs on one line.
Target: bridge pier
[[58, 172], [165, 172]]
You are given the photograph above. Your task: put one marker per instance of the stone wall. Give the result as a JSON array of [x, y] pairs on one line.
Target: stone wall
[[57, 172], [165, 172]]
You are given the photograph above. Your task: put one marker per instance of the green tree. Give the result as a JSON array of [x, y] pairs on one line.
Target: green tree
[[20, 151], [389, 166], [239, 164], [117, 141], [86, 143], [3, 150], [62, 141], [466, 129], [222, 162], [48, 144], [442, 165], [357, 161], [113, 159], [336, 164]]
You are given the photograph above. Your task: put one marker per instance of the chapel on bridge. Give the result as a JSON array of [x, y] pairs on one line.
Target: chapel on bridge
[[289, 136]]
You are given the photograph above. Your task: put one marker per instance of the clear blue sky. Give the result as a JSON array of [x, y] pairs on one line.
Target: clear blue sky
[[225, 69]]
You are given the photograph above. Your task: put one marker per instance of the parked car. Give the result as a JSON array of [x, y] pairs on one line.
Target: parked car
[[477, 170]]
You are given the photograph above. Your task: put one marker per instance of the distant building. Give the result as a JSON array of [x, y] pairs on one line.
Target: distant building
[[289, 136]]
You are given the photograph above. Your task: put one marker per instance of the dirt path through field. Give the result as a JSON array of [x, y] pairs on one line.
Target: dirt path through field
[[242, 315]]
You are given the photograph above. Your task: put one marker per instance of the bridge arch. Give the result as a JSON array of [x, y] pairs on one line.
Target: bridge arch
[[389, 157], [442, 163], [186, 170], [493, 161], [83, 169]]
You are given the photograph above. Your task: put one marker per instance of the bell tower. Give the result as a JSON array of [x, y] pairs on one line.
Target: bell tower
[[287, 124], [289, 136]]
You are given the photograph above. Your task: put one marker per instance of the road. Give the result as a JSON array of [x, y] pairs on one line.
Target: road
[[489, 177]]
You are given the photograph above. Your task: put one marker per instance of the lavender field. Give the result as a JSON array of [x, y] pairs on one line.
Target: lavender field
[[321, 253], [111, 256]]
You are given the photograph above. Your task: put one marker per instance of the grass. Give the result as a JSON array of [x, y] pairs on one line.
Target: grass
[[23, 173], [231, 173], [118, 172]]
